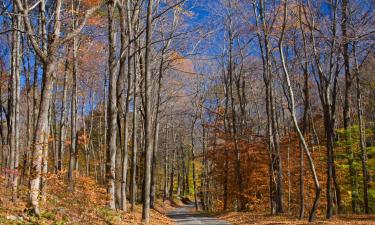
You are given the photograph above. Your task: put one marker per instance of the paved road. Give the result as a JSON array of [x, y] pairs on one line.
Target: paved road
[[186, 216]]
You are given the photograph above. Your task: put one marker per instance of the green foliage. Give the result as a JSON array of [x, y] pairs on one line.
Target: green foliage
[[33, 220], [348, 161], [60, 222], [48, 215], [370, 150], [108, 214]]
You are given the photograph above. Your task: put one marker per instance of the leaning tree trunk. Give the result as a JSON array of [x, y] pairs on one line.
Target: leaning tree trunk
[[41, 136], [294, 118]]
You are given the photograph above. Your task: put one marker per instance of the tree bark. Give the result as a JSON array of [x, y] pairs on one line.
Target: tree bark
[[147, 118], [133, 185], [193, 162], [112, 110], [63, 118], [73, 113], [14, 110], [347, 109], [362, 136], [291, 105]]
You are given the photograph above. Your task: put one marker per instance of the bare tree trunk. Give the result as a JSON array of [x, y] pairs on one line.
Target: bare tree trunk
[[53, 129], [3, 151], [47, 54], [41, 131], [306, 109], [172, 164], [204, 172], [234, 124], [156, 124], [291, 105], [73, 113], [183, 173], [147, 118], [289, 182], [278, 162], [43, 181], [193, 162], [275, 183], [40, 137], [122, 102], [179, 170], [63, 118], [327, 86], [125, 160], [85, 144], [105, 133], [226, 151], [133, 185], [346, 109], [362, 137], [126, 19], [171, 183], [112, 110], [165, 188], [90, 139], [187, 174], [14, 109], [26, 153], [17, 117], [154, 155], [226, 173]]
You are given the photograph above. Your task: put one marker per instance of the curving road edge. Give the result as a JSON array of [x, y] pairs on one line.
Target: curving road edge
[[186, 216]]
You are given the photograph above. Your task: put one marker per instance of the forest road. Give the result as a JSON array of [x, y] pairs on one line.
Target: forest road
[[186, 216]]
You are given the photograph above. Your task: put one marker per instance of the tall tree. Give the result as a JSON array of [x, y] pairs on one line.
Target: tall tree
[[147, 117], [14, 103], [291, 106], [48, 56], [327, 86], [112, 108], [276, 187]]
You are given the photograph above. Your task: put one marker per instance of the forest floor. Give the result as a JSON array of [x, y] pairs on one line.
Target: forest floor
[[242, 218], [85, 205]]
